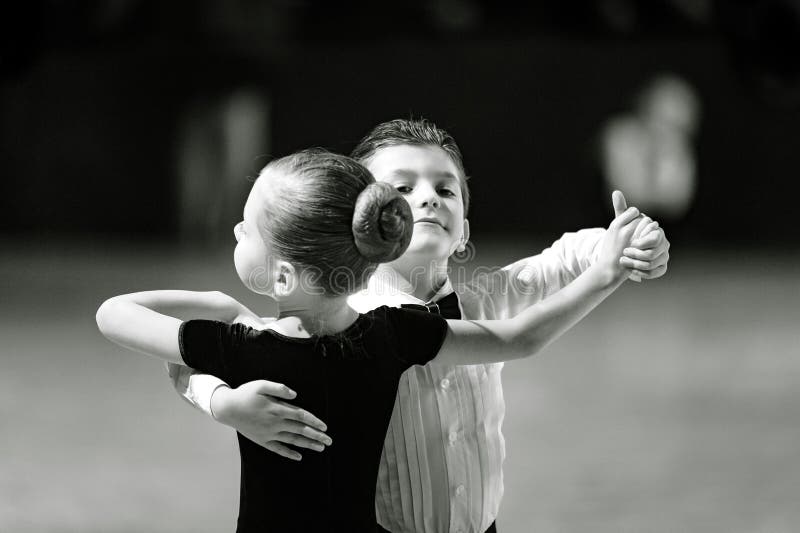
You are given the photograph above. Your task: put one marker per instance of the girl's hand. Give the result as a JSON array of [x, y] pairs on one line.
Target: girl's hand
[[255, 410], [618, 237]]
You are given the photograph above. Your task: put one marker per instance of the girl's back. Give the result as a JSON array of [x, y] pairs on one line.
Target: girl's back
[[350, 379]]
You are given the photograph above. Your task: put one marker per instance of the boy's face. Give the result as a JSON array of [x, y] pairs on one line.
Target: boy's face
[[429, 180]]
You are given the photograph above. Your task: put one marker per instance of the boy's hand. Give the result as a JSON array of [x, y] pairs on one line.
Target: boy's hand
[[648, 254], [256, 411]]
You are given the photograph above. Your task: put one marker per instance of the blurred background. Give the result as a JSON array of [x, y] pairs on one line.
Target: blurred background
[[131, 130]]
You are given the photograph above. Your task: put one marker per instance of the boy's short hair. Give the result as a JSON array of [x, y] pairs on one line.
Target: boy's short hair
[[415, 132]]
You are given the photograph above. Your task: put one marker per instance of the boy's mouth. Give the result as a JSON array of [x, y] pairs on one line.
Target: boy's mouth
[[429, 220]]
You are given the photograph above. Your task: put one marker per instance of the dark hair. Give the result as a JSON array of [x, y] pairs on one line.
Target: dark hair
[[415, 132], [326, 212]]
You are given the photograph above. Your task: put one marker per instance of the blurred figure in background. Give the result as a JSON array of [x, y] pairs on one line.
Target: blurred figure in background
[[649, 152], [219, 144]]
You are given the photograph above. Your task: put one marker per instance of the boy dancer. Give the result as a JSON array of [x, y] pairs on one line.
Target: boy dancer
[[441, 467]]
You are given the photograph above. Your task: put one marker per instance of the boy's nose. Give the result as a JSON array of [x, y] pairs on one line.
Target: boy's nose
[[430, 202], [428, 196]]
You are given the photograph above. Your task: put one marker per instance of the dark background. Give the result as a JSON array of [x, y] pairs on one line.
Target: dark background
[[92, 94], [673, 407]]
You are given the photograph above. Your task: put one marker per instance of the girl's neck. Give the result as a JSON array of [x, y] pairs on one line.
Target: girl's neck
[[426, 276], [316, 315]]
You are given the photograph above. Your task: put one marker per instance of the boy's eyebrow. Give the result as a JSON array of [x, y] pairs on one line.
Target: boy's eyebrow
[[403, 173], [411, 174], [445, 174]]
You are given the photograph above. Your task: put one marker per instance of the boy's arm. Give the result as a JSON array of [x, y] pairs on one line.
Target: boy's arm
[[255, 409], [195, 387], [523, 283], [487, 341]]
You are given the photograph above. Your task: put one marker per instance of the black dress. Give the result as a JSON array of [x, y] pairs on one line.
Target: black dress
[[349, 380]]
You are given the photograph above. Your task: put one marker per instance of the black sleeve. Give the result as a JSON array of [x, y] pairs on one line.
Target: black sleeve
[[210, 346], [419, 334]]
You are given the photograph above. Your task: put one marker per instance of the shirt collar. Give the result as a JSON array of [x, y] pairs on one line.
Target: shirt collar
[[389, 282]]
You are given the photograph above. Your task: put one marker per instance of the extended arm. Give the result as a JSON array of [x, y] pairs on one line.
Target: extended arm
[[489, 341], [508, 291], [484, 341]]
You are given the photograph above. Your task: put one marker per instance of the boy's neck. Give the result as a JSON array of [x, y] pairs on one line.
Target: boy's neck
[[426, 276], [314, 315]]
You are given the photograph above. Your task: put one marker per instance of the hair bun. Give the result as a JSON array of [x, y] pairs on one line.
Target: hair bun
[[382, 223]]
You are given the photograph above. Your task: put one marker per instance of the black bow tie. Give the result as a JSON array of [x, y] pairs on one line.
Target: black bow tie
[[447, 306]]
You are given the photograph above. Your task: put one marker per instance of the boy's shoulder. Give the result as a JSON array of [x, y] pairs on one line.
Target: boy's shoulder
[[372, 298], [485, 281]]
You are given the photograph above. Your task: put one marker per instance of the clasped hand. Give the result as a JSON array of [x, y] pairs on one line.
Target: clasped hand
[[647, 254]]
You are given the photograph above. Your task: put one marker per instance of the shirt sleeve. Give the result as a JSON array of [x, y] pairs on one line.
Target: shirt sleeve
[[210, 346], [193, 386], [505, 293], [418, 334]]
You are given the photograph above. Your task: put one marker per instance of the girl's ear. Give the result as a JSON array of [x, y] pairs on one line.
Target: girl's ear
[[285, 278]]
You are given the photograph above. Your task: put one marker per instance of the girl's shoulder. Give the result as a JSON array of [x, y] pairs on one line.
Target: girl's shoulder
[[290, 327], [406, 319]]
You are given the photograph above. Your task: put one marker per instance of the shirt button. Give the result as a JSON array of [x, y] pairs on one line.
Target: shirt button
[[460, 490], [453, 437], [445, 383]]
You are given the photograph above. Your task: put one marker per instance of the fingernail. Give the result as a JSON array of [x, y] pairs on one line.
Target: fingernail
[[327, 441], [318, 447], [627, 251]]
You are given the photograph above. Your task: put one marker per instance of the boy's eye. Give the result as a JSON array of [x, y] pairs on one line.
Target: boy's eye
[[447, 192], [403, 189]]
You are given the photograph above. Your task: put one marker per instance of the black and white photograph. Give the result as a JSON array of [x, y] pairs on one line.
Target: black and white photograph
[[437, 266]]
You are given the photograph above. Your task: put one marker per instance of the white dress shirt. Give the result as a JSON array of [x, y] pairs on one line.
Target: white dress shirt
[[441, 466]]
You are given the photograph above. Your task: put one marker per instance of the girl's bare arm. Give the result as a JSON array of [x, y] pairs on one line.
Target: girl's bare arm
[[488, 341], [147, 322]]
